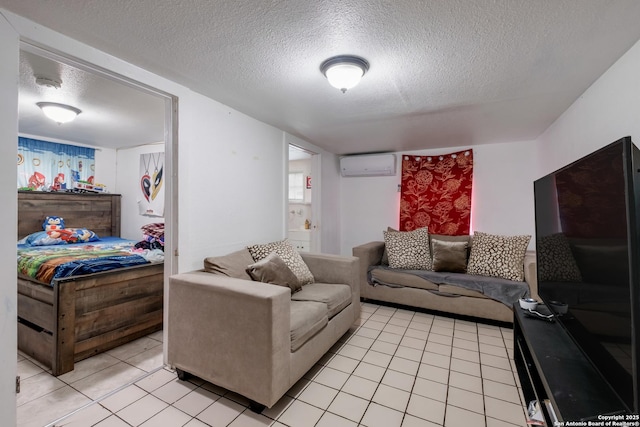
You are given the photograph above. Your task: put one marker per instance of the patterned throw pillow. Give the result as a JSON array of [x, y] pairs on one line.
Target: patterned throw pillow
[[555, 260], [408, 250], [498, 256], [288, 254]]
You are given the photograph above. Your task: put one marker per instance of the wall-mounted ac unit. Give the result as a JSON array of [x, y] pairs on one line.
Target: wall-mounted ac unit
[[368, 165]]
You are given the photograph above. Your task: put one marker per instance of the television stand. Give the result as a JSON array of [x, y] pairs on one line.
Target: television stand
[[555, 372]]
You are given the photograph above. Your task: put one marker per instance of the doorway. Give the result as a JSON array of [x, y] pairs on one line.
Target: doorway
[[303, 199], [113, 131]]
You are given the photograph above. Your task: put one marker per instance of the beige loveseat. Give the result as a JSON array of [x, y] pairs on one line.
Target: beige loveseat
[[411, 290], [258, 339]]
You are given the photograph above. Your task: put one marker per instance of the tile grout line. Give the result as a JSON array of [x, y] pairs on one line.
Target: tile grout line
[[101, 398]]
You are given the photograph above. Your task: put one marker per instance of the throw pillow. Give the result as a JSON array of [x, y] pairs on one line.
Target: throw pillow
[[449, 256], [288, 254], [408, 250], [498, 256], [555, 260], [272, 269], [385, 254], [232, 265]]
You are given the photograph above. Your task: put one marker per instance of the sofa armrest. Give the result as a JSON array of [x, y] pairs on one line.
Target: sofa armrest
[[530, 274], [327, 268], [232, 332], [369, 254]]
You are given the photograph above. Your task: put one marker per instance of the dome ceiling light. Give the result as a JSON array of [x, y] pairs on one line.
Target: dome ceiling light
[[59, 113], [344, 71]]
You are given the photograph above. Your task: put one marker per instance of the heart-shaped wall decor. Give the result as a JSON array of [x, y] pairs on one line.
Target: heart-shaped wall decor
[[157, 183], [145, 183]]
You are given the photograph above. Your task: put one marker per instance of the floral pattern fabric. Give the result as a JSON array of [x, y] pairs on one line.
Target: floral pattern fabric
[[436, 193]]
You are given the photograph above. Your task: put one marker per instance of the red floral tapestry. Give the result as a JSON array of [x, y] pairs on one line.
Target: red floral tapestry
[[436, 193]]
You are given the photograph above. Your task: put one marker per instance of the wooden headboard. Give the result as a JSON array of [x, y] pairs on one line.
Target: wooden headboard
[[97, 212]]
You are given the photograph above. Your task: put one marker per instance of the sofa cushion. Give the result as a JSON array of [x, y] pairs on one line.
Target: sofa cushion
[[288, 254], [397, 277], [307, 319], [272, 269], [232, 265], [335, 297], [408, 249], [498, 256], [449, 255]]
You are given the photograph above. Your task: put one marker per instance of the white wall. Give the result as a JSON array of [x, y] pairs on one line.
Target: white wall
[[606, 112], [502, 199], [106, 172], [9, 52], [128, 185], [232, 180]]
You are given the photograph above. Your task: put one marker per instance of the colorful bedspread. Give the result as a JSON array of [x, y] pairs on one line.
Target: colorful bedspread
[[48, 263]]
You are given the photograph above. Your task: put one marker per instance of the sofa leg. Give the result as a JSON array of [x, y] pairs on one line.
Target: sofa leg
[[256, 407], [182, 375]]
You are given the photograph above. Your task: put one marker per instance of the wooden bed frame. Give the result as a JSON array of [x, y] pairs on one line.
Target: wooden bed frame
[[85, 315]]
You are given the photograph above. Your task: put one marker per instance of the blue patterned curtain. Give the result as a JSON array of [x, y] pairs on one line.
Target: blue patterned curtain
[[44, 165]]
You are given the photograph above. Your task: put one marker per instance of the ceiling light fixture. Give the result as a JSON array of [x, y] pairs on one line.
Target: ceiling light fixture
[[59, 113], [344, 71]]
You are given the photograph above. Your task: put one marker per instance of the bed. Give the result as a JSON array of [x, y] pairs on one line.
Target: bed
[[73, 318]]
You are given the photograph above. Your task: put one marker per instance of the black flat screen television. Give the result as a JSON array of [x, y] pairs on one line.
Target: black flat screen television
[[587, 247]]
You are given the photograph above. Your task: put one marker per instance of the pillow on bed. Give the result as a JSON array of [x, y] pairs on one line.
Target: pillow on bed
[[59, 237], [154, 230]]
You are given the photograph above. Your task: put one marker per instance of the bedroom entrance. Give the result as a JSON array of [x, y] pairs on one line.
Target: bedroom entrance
[[126, 122]]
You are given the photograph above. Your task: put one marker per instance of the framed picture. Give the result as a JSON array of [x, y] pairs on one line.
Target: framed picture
[[308, 182]]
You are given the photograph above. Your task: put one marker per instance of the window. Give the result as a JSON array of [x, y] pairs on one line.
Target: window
[[296, 186]]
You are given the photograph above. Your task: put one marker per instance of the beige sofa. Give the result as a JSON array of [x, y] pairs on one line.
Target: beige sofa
[[258, 339], [410, 290]]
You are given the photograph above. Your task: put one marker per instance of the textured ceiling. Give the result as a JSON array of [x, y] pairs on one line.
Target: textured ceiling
[[443, 73], [113, 115]]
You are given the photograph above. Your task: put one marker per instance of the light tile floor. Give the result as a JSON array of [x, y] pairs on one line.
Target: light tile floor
[[395, 368], [44, 398]]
